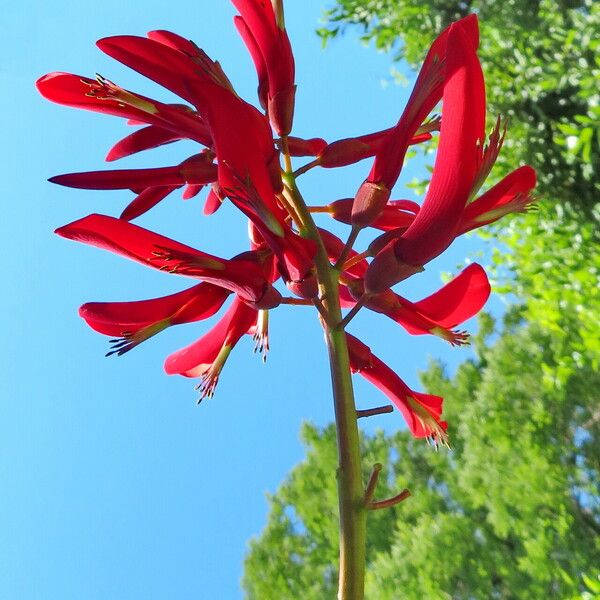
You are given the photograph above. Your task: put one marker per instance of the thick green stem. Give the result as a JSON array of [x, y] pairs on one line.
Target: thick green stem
[[353, 513]]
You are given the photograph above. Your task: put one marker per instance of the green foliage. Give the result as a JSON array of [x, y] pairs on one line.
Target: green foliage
[[542, 63], [512, 512]]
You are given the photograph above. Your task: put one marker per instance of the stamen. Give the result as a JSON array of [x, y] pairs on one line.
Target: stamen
[[210, 377], [261, 335], [456, 338], [488, 154], [129, 340], [104, 89], [184, 263], [435, 434]]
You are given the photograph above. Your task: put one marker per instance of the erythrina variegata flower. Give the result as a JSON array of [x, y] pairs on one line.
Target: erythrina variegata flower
[[243, 155]]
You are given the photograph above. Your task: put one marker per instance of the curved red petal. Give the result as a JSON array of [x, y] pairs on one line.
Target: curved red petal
[[374, 370], [257, 59], [456, 162], [140, 140], [200, 171], [164, 65], [115, 318], [134, 242], [191, 190], [144, 201], [511, 194], [458, 300], [73, 90], [192, 360]]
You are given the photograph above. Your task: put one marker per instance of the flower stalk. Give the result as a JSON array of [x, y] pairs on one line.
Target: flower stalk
[[353, 514]]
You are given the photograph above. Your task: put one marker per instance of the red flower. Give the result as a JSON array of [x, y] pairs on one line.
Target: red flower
[[438, 68], [196, 169], [171, 61], [511, 194], [205, 357], [101, 95], [439, 313], [262, 28], [351, 150], [421, 412], [396, 214], [131, 323], [242, 276], [455, 172]]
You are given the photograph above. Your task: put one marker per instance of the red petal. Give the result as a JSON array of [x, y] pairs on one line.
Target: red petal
[[143, 139], [274, 45], [144, 201], [175, 41], [193, 360], [115, 318], [213, 202], [511, 194], [133, 242], [461, 133], [72, 90], [164, 65], [199, 171], [305, 147], [257, 59], [381, 376], [192, 190], [458, 300]]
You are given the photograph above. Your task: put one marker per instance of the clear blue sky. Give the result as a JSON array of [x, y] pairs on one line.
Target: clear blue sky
[[114, 483]]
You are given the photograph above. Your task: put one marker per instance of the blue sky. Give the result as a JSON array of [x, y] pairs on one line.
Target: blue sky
[[115, 484]]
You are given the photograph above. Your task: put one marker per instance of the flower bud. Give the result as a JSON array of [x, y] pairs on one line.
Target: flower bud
[[368, 203]]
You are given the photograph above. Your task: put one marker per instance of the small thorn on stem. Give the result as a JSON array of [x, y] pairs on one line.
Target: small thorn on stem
[[370, 412], [372, 485], [389, 502]]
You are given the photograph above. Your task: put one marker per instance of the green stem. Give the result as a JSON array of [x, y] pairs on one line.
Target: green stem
[[353, 513]]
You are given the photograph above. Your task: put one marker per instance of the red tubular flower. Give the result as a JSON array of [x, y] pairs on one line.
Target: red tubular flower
[[131, 323], [243, 276], [101, 95], [351, 150], [421, 412], [437, 69], [196, 169], [396, 214], [205, 357], [511, 194], [261, 25], [170, 61], [455, 170], [439, 313]]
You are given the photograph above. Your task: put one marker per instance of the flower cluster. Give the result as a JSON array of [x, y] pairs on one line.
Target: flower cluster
[[240, 149]]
